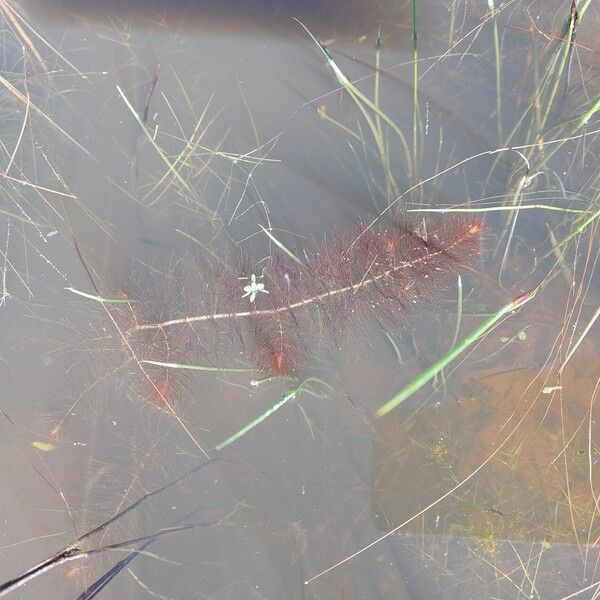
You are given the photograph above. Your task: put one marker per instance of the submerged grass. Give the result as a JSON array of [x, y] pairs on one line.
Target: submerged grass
[[373, 116], [150, 137], [289, 393], [100, 298], [445, 360], [540, 138]]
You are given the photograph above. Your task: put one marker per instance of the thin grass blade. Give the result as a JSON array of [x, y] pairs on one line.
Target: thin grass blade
[[417, 383]]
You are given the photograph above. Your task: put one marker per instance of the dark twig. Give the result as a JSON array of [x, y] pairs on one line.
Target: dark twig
[[75, 550], [141, 139], [93, 590], [572, 28]]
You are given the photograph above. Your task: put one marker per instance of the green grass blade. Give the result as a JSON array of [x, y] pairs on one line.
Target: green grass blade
[[585, 331], [322, 112], [152, 141], [577, 211], [415, 38], [437, 366], [394, 348], [363, 101], [288, 394], [498, 62]]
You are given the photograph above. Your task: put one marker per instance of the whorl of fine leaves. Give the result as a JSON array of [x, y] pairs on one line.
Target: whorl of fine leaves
[[382, 272]]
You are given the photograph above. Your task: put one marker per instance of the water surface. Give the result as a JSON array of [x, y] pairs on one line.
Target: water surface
[[485, 479]]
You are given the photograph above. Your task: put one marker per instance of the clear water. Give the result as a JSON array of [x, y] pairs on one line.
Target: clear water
[[483, 484]]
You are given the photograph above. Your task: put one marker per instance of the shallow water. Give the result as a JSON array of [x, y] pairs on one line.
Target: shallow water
[[482, 484]]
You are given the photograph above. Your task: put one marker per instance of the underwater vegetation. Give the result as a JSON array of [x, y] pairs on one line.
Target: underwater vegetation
[[299, 303]]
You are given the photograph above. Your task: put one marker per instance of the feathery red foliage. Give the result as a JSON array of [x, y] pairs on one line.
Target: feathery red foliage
[[384, 274], [380, 271]]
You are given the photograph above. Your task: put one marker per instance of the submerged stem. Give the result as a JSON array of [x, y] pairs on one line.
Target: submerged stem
[[353, 288]]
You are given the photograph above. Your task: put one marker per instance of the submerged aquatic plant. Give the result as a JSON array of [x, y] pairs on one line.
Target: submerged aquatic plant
[[381, 272]]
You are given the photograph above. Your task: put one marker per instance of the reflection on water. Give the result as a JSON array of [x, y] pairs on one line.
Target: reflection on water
[[240, 16], [146, 150]]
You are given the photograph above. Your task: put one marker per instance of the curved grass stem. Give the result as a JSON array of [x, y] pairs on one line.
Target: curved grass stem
[[363, 103]]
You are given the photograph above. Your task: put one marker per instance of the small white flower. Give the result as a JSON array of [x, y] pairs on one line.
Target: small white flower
[[253, 288]]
